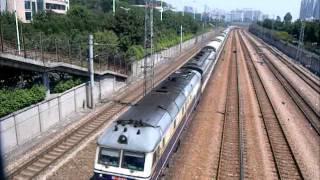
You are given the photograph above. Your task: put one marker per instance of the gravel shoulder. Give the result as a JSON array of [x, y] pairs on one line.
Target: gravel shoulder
[[258, 159], [304, 142]]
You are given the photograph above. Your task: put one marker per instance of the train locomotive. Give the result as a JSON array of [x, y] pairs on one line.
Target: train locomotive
[[140, 142]]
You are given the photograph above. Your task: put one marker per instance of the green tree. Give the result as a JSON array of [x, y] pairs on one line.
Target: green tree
[[287, 18], [108, 40]]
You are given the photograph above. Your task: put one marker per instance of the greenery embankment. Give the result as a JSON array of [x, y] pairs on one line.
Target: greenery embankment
[[289, 31], [14, 99], [64, 85], [122, 32]]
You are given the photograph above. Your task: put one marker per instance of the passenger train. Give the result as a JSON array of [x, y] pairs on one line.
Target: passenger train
[[139, 143]]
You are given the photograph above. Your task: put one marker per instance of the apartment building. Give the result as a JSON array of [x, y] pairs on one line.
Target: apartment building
[[310, 9], [26, 8]]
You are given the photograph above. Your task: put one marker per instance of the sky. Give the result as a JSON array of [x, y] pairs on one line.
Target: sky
[[270, 7]]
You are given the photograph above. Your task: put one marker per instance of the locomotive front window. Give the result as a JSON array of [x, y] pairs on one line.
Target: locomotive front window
[[109, 157], [133, 161]]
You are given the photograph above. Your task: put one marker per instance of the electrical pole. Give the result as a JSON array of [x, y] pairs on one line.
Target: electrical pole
[[181, 38], [181, 29], [91, 70], [17, 25], [194, 9], [300, 44], [161, 11], [114, 6], [148, 45]]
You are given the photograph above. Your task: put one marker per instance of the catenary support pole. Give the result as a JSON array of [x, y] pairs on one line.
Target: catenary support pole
[[181, 38], [46, 83], [17, 25], [91, 71]]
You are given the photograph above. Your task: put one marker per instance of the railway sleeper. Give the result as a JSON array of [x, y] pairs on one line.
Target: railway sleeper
[[70, 141], [39, 164], [55, 153], [94, 125], [83, 132], [49, 157], [33, 168], [78, 135], [26, 174], [44, 160]]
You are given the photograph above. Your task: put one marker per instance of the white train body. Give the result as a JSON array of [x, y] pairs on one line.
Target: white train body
[[140, 142]]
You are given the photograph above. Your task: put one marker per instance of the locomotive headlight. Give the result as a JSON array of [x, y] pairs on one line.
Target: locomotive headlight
[[100, 175]]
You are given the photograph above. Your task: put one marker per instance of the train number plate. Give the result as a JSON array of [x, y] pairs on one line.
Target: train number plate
[[118, 178]]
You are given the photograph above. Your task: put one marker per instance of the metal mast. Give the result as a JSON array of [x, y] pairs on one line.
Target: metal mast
[[300, 44], [148, 67]]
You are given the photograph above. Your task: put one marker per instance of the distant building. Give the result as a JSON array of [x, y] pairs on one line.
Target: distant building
[[26, 8], [188, 9], [244, 15], [217, 14], [310, 9]]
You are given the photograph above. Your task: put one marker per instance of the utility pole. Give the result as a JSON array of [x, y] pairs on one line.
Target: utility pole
[[181, 29], [194, 9], [114, 6], [300, 44], [182, 7], [181, 38], [148, 45], [161, 10], [17, 25], [91, 70], [272, 27]]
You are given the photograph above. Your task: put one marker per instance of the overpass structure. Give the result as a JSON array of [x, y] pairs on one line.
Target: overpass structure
[[64, 57]]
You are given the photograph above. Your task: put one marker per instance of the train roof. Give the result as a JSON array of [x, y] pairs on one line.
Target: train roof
[[141, 128], [198, 62], [215, 45]]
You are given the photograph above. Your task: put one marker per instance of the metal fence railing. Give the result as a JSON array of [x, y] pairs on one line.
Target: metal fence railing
[[307, 59]]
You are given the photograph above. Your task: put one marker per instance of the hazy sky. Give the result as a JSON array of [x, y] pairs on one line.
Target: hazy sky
[[271, 7]]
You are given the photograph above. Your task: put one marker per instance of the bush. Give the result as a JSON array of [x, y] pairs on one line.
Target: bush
[[13, 100], [135, 51], [64, 85], [282, 35]]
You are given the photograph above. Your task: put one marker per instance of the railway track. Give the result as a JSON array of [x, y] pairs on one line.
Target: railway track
[[57, 150], [285, 162], [230, 164], [311, 81], [311, 114]]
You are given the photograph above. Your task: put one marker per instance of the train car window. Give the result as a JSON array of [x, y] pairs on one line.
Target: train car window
[[133, 161], [109, 157]]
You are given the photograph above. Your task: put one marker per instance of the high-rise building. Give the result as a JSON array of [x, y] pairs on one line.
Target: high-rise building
[[310, 9], [188, 9], [245, 15], [26, 8]]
